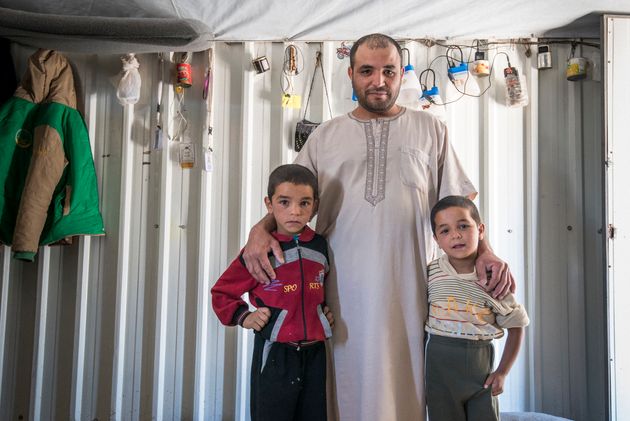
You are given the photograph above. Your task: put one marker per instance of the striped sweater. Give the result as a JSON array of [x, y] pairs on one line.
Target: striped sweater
[[459, 308]]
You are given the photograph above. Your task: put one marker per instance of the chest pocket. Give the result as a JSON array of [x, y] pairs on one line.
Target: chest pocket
[[414, 168]]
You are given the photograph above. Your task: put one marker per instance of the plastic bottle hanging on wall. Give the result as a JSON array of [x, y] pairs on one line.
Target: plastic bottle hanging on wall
[[516, 88]]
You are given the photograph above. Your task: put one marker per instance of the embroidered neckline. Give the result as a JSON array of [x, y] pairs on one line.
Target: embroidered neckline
[[403, 110]]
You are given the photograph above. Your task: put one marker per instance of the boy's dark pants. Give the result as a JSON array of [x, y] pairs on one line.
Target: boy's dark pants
[[287, 383], [456, 370]]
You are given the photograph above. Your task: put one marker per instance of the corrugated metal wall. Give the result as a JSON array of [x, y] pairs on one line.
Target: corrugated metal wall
[[120, 327], [570, 350]]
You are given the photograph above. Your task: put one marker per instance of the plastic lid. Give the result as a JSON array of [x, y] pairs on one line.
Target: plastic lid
[[408, 67], [456, 69], [431, 92]]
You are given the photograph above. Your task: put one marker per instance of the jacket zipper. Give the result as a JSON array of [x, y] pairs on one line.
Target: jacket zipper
[[297, 244]]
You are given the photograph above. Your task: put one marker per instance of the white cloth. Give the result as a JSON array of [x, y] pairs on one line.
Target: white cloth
[[376, 193]]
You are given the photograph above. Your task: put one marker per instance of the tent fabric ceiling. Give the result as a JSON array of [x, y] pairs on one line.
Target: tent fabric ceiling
[[87, 34], [278, 20]]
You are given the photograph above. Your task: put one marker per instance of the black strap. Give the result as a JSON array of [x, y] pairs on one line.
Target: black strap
[[318, 64]]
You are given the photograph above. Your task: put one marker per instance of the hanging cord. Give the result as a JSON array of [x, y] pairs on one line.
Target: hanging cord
[[207, 95], [405, 50], [158, 110], [463, 93], [449, 57], [318, 64], [207, 82], [493, 46], [157, 141], [291, 66], [497, 44], [449, 60], [425, 73], [475, 45], [573, 47], [182, 123]]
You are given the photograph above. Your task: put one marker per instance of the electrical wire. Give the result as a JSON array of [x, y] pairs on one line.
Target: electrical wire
[[546, 41], [463, 92]]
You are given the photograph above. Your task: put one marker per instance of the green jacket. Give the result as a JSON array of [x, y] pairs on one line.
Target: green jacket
[[48, 190]]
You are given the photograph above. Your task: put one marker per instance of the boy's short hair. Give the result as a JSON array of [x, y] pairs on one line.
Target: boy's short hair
[[455, 202], [374, 41], [292, 173]]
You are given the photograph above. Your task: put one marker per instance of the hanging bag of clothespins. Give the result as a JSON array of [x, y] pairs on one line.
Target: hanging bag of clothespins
[[128, 91], [304, 127]]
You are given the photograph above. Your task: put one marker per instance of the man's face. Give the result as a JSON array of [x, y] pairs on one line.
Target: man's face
[[376, 77]]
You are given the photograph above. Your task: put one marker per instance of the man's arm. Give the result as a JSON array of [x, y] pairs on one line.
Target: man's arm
[[258, 245]]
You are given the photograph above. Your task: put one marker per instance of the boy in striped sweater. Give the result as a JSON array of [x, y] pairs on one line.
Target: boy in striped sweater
[[463, 320]]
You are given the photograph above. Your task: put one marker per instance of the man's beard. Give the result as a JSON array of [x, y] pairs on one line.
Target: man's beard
[[376, 106]]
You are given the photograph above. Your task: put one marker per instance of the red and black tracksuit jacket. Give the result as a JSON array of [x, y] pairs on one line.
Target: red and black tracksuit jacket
[[295, 298]]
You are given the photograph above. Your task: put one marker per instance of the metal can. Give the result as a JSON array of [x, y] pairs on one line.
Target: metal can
[[184, 75]]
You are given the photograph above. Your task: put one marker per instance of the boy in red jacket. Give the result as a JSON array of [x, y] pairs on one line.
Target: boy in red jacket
[[288, 378]]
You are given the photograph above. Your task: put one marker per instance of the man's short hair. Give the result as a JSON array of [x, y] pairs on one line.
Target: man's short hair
[[374, 41], [455, 202], [292, 173]]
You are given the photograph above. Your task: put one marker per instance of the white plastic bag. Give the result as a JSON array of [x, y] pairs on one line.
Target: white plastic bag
[[128, 91]]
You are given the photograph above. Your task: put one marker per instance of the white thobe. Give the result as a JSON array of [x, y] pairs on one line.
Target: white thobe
[[378, 180]]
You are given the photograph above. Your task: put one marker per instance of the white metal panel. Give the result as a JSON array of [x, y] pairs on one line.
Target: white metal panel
[[83, 283], [506, 140], [594, 241], [143, 341], [122, 287], [4, 313], [617, 35], [203, 386], [166, 226], [9, 331], [530, 375]]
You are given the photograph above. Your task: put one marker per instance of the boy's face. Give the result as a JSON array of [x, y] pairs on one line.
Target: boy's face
[[457, 233], [292, 206]]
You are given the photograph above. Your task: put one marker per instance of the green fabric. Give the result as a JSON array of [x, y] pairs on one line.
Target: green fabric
[[27, 256], [20, 116]]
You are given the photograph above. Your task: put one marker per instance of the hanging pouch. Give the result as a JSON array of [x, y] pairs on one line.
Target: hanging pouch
[[303, 130], [128, 91], [304, 127]]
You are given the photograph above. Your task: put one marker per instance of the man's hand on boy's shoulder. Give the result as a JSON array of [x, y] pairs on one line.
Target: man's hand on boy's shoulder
[[255, 254], [500, 281], [329, 316], [257, 319]]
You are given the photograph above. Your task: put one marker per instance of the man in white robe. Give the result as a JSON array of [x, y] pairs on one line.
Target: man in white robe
[[380, 169]]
